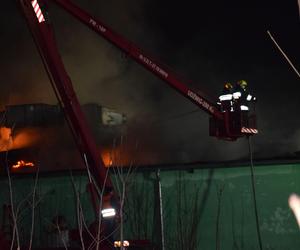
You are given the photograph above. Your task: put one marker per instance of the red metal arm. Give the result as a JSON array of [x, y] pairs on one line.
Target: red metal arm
[[140, 57], [44, 39], [224, 125]]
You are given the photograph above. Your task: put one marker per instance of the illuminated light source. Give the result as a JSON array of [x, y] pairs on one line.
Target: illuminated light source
[[108, 212], [118, 243], [294, 203], [38, 11], [21, 164]]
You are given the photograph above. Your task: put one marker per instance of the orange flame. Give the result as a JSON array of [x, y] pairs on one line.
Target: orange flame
[[21, 164], [24, 138], [117, 156], [107, 158]]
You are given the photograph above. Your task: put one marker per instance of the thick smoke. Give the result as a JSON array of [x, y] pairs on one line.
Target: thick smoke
[[221, 43]]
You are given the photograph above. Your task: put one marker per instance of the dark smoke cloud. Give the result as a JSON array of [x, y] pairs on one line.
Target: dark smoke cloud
[[207, 43]]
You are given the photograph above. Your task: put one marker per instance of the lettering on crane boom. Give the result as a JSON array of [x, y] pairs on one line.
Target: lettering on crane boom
[[97, 25], [162, 72], [152, 65], [201, 101]]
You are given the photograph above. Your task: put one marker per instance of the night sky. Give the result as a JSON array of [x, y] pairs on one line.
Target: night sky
[[206, 42]]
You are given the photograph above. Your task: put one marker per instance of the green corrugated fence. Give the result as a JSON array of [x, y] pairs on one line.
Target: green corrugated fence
[[203, 209]]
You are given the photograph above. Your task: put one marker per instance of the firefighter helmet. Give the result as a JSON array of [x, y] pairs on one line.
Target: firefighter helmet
[[228, 85], [242, 83]]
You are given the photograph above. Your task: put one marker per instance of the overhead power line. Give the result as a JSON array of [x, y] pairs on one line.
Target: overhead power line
[[282, 52]]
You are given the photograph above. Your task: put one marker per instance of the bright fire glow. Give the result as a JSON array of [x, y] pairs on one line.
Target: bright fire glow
[[5, 133], [21, 164], [23, 138], [116, 156], [107, 158], [118, 243]]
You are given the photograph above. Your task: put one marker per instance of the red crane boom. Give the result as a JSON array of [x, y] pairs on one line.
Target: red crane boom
[[223, 124], [45, 41]]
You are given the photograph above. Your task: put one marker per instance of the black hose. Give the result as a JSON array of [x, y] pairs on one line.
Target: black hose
[[254, 194]]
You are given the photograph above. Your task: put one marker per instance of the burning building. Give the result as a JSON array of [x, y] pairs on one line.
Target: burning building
[[43, 129]]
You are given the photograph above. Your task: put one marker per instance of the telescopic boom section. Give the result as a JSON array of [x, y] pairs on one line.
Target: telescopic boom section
[[223, 125], [140, 57], [45, 41]]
